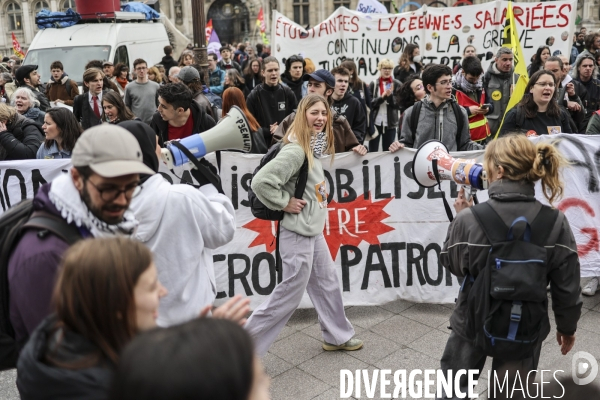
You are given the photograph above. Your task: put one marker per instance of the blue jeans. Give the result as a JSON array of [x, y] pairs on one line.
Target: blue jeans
[[388, 136]]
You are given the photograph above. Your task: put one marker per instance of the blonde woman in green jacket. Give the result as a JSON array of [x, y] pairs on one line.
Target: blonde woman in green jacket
[[306, 261]]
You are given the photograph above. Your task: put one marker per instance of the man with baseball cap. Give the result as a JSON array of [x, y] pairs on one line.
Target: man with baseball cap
[[323, 82], [108, 69], [92, 200], [191, 78], [27, 76]]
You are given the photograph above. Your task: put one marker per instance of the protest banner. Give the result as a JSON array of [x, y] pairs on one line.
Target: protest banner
[[440, 33], [384, 232]]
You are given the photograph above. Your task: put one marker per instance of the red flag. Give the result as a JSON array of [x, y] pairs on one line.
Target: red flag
[[209, 29], [260, 21], [17, 47]]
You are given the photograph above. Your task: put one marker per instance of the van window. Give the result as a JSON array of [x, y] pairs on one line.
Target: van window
[[73, 59], [121, 56]]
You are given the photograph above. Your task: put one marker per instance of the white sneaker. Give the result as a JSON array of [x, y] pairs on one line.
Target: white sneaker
[[591, 287]]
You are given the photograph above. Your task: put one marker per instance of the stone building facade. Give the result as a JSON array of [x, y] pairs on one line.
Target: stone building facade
[[234, 20]]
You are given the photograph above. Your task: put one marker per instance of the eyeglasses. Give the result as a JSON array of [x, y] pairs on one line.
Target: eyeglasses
[[111, 194], [545, 84], [444, 83], [386, 69], [141, 68]]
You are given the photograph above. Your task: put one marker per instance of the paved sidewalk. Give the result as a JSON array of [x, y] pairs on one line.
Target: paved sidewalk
[[397, 335]]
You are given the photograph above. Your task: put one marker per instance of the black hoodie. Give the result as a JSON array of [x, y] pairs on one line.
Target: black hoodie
[[36, 379], [147, 140], [296, 86], [350, 107], [168, 62]]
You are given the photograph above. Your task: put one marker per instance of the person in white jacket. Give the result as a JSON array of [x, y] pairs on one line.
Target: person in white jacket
[[181, 225]]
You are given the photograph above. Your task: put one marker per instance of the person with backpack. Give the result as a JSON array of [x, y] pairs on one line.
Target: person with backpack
[[506, 251], [20, 137], [306, 261], [438, 116], [91, 200], [538, 112], [61, 88]]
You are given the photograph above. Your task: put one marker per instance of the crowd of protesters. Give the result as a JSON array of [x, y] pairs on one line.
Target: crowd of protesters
[[123, 268]]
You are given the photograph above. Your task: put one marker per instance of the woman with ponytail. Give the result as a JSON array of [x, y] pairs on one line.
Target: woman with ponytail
[[513, 165], [306, 261]]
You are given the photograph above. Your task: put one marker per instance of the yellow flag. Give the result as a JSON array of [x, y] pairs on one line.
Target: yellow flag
[[510, 39]]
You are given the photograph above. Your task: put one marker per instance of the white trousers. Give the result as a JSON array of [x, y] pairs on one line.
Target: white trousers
[[306, 264]]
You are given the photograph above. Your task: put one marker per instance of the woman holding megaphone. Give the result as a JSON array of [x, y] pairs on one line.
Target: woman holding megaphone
[[305, 257], [513, 165], [538, 112]]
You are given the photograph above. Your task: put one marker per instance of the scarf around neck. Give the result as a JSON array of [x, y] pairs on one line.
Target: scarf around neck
[[318, 144], [382, 82], [467, 86], [72, 208]]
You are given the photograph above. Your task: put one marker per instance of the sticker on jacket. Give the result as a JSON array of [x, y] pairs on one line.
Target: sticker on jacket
[[321, 192], [553, 130]]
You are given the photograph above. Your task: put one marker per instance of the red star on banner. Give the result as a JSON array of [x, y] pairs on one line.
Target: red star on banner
[[351, 223], [348, 223]]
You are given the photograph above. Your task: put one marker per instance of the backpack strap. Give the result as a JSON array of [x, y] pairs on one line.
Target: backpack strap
[[68, 86], [520, 118], [302, 179], [493, 226], [414, 119], [542, 225], [44, 221], [459, 117]]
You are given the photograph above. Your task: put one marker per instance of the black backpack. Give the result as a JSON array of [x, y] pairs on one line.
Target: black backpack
[[507, 302], [13, 223], [261, 211], [416, 111]]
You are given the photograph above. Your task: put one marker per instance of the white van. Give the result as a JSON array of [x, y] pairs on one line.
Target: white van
[[75, 46]]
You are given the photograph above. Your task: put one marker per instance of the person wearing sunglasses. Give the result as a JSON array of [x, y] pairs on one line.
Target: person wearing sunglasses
[[92, 200]]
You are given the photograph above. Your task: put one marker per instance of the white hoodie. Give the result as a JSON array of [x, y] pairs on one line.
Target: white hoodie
[[180, 223]]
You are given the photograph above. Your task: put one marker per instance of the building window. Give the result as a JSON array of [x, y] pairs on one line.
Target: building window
[[15, 17], [39, 6], [68, 4], [301, 12], [341, 3]]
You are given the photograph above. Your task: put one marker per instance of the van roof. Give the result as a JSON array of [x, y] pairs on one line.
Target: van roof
[[98, 34]]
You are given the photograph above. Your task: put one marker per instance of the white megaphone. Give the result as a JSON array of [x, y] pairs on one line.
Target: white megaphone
[[232, 133], [462, 171]]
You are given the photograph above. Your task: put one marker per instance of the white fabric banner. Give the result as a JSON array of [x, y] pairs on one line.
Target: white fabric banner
[[383, 231], [441, 34]]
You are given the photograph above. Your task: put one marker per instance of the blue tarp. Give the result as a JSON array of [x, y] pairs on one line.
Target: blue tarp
[[136, 6], [54, 19]]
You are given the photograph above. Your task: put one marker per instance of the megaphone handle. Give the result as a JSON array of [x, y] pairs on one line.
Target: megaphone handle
[[436, 173], [201, 168]]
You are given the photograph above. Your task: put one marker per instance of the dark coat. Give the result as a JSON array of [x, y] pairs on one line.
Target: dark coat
[[202, 122], [392, 106], [168, 62], [37, 379], [466, 250], [84, 112], [21, 140]]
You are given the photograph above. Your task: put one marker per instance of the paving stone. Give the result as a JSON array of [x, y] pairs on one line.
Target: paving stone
[[432, 343], [589, 321], [327, 366], [331, 394], [297, 348], [408, 359], [428, 314], [285, 332], [444, 327], [375, 347], [366, 317], [397, 306], [400, 329], [302, 318], [590, 302], [274, 365], [298, 385], [8, 387]]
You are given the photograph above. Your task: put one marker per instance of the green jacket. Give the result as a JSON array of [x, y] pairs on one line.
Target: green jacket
[[274, 185], [593, 127]]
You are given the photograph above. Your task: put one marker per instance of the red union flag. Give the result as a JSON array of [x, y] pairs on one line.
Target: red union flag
[[209, 29], [347, 223], [17, 47], [260, 21]]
